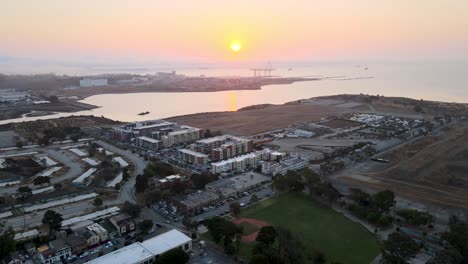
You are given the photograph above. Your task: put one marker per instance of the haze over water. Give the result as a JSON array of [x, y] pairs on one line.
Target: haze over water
[[431, 80]]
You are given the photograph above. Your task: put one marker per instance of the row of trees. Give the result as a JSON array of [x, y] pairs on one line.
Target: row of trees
[[154, 169], [456, 243], [373, 208], [279, 245], [298, 181], [225, 233]]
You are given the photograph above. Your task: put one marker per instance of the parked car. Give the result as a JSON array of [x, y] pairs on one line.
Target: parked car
[[84, 255]]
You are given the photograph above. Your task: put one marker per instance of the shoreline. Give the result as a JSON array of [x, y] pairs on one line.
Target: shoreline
[[83, 93], [76, 105]]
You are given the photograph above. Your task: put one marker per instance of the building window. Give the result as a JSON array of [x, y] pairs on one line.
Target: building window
[[186, 246]]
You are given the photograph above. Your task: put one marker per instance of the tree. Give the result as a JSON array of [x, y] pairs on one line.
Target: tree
[[448, 255], [360, 197], [53, 220], [291, 182], [7, 242], [188, 223], [146, 225], [131, 209], [415, 217], [383, 201], [254, 198], [457, 236], [19, 144], [291, 250], [179, 187], [319, 258], [235, 208], [58, 186], [97, 202], [398, 249], [200, 180], [225, 231], [41, 180], [173, 256], [24, 192], [267, 235], [53, 99], [141, 183]]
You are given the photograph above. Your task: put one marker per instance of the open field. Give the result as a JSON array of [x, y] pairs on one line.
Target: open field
[[250, 122], [432, 170], [320, 228]]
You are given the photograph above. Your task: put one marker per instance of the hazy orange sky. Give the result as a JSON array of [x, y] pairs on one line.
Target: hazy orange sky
[[203, 29]]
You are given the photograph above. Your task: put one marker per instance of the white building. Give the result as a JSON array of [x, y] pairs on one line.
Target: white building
[[147, 251], [88, 82], [292, 163], [238, 164], [11, 95]]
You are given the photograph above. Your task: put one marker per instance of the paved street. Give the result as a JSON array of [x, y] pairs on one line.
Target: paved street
[[126, 192]]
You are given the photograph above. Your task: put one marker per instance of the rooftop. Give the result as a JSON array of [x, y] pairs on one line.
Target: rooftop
[[139, 252], [238, 182], [193, 153], [165, 242], [148, 139], [134, 253], [163, 123], [198, 198]]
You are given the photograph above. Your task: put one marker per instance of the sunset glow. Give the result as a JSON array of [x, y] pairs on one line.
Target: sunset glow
[[201, 30], [235, 46]]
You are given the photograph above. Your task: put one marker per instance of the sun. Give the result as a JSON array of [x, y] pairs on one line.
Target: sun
[[235, 46]]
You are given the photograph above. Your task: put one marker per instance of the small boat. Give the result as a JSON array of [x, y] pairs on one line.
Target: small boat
[[290, 69], [144, 113]]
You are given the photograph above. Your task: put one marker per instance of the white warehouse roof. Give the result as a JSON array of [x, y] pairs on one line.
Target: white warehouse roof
[[133, 253], [140, 252], [165, 242]]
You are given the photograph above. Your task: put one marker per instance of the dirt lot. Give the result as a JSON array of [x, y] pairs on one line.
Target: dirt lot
[[339, 123], [432, 170], [250, 122]]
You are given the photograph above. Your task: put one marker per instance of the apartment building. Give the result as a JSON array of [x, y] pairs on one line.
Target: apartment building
[[148, 143], [185, 134], [223, 147], [193, 157]]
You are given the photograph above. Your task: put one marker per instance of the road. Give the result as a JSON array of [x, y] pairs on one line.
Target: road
[[67, 159], [127, 190], [34, 219]]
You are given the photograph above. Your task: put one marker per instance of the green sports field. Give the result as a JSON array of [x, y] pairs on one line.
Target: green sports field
[[320, 228]]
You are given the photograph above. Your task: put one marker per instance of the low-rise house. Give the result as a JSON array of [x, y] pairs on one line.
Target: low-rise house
[[100, 231], [78, 244], [14, 258], [110, 228], [123, 222], [90, 237], [57, 252]]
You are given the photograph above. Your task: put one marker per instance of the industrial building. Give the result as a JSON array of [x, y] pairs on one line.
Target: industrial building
[[196, 201], [232, 187], [89, 82], [147, 251], [193, 157], [11, 96]]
